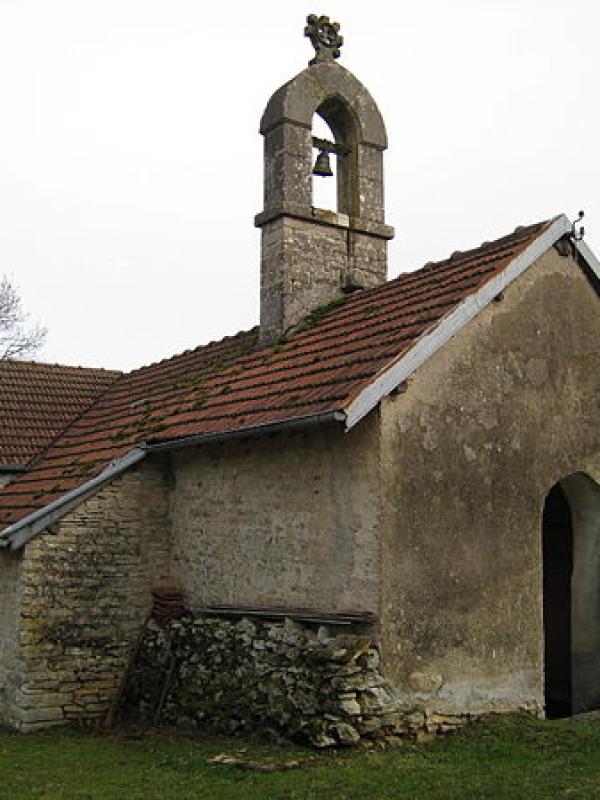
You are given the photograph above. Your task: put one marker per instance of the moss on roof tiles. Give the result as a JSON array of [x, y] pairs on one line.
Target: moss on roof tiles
[[227, 385]]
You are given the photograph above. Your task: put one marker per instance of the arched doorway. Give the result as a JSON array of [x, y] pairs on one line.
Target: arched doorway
[[571, 596], [558, 566]]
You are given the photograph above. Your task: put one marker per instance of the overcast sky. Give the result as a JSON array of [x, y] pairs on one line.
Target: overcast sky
[[131, 164]]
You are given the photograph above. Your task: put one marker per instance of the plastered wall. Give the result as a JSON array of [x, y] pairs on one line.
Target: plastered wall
[[486, 427], [288, 520]]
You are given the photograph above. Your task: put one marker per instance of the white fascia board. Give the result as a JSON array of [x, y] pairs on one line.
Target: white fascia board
[[391, 377], [25, 529], [589, 257]]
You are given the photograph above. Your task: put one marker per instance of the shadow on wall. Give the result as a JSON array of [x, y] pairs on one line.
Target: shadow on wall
[[571, 585]]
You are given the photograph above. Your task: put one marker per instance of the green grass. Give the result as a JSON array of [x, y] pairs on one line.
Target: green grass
[[513, 757]]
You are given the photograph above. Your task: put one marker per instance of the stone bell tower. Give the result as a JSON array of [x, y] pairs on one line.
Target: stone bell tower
[[311, 256]]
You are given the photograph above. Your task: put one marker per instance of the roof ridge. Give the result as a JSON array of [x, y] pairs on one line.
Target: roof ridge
[[18, 362], [213, 343]]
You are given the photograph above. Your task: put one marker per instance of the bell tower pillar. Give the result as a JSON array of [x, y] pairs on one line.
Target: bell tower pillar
[[312, 256]]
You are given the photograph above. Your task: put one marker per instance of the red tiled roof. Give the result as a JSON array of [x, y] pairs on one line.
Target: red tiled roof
[[38, 401], [234, 384]]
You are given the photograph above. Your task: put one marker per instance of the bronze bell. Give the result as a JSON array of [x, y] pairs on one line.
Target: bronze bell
[[322, 166]]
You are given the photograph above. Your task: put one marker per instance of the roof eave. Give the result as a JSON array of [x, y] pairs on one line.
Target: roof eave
[[18, 534], [291, 423], [392, 376]]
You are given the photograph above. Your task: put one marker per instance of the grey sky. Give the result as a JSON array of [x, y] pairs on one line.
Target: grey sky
[[131, 165]]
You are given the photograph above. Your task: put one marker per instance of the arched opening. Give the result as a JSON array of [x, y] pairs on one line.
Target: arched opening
[[558, 566], [335, 132], [324, 189], [571, 596]]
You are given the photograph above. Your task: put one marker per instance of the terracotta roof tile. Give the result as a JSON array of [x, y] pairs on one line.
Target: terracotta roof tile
[[38, 401], [232, 384]]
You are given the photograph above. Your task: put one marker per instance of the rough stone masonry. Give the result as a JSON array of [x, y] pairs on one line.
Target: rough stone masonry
[[300, 680]]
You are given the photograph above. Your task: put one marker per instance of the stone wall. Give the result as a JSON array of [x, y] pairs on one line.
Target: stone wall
[[85, 596], [305, 264], [484, 430], [239, 676], [10, 570], [310, 255], [287, 520]]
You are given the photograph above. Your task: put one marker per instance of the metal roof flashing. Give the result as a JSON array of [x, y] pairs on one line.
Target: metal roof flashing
[[380, 385], [391, 377], [263, 429], [589, 257], [18, 534]]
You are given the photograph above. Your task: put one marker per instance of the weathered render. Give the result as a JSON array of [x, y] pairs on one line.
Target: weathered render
[[484, 430], [289, 520]]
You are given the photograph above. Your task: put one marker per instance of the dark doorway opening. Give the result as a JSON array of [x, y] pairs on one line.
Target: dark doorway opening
[[558, 569]]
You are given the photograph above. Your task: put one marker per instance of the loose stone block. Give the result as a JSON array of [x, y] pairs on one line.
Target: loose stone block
[[224, 675]]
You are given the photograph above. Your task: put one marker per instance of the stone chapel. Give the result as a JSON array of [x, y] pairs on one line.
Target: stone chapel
[[376, 513]]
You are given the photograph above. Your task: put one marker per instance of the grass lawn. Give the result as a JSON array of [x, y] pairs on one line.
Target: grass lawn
[[513, 757]]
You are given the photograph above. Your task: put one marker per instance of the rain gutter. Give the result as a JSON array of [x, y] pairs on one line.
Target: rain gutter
[[21, 532], [293, 423], [18, 534]]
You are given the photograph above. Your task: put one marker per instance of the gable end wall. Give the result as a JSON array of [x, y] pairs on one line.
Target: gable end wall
[[486, 427]]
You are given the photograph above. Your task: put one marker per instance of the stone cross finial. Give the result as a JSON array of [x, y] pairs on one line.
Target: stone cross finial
[[325, 38]]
